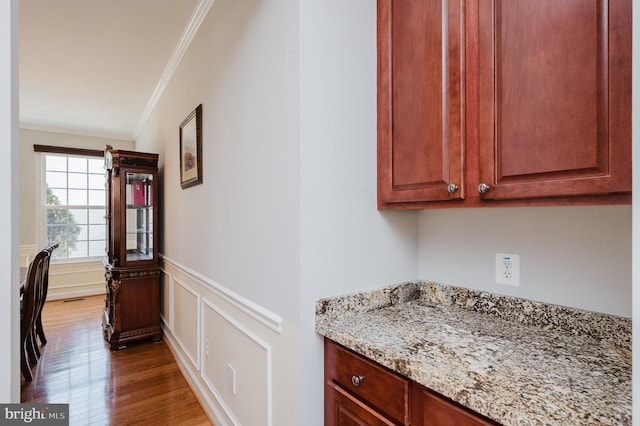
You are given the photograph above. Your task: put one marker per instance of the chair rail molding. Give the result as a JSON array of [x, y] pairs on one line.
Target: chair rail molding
[[259, 313]]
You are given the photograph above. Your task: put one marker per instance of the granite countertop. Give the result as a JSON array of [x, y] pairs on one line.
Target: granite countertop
[[516, 361]]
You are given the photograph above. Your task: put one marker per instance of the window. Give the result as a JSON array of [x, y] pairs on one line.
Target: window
[[73, 194]]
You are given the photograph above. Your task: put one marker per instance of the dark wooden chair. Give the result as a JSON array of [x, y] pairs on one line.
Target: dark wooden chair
[[28, 312], [43, 296]]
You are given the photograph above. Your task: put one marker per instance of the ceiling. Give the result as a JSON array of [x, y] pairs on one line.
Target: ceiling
[[95, 67]]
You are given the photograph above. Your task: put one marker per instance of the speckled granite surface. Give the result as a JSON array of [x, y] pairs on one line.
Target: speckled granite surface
[[516, 361]]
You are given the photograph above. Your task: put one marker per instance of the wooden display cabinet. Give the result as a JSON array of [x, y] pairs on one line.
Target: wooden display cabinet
[[132, 272]]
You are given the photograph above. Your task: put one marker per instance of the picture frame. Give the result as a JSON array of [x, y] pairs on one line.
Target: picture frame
[[191, 149]]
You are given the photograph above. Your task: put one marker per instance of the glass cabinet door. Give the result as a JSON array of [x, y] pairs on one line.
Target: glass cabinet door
[[139, 216]]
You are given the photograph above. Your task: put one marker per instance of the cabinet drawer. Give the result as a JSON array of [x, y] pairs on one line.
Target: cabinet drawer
[[374, 384], [342, 409]]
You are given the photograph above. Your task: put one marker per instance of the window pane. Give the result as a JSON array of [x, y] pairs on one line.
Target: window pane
[[96, 182], [97, 216], [77, 197], [79, 216], [56, 197], [78, 249], [77, 164], [97, 197], [56, 179], [97, 248], [54, 162], [59, 254], [57, 233], [78, 180], [96, 165], [97, 232], [81, 232], [56, 216]]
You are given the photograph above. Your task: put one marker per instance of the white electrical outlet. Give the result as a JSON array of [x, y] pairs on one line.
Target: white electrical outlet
[[508, 269], [206, 349], [231, 379]]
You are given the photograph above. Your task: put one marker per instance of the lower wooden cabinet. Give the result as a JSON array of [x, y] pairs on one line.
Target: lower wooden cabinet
[[361, 392], [132, 305]]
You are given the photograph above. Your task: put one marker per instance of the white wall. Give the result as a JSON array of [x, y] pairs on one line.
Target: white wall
[[346, 244], [287, 211], [231, 245], [572, 256], [9, 223], [241, 226]]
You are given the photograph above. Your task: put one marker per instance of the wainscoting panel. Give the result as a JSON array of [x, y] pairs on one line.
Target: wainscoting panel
[[239, 373], [186, 326], [242, 349], [70, 280], [166, 296]]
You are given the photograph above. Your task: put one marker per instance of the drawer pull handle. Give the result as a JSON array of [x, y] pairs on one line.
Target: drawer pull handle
[[357, 380], [483, 188]]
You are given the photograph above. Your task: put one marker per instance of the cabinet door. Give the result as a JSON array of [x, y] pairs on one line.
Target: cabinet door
[[139, 224], [342, 409], [420, 100], [554, 97], [430, 409]]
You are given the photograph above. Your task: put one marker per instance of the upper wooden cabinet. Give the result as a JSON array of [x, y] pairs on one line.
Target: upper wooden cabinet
[[420, 100], [530, 99]]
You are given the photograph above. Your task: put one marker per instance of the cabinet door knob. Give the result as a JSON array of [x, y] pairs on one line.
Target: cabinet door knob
[[357, 380], [483, 187], [452, 188]]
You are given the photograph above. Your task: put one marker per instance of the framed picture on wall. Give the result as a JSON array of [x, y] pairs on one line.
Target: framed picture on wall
[[191, 149]]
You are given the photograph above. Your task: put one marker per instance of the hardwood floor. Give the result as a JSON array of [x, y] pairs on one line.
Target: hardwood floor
[[137, 385]]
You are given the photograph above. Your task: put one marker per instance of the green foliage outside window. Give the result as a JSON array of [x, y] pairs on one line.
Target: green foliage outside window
[[61, 227]]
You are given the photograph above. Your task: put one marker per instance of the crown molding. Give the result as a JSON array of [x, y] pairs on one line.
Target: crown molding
[[78, 132], [198, 15]]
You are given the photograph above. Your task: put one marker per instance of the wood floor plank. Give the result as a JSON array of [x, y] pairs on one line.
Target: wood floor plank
[[138, 385]]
